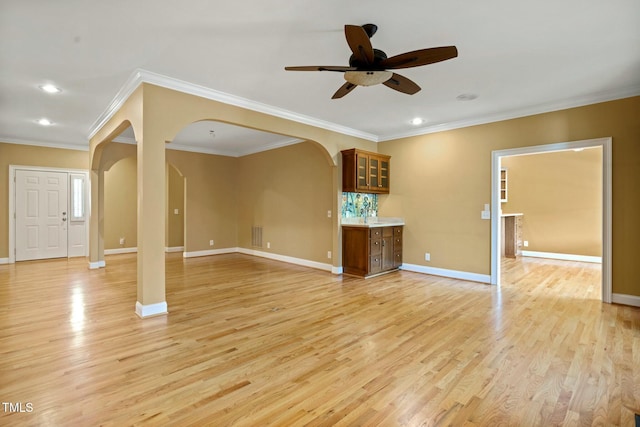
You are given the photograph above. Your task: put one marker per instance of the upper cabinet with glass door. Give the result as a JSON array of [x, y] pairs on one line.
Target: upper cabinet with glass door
[[365, 172]]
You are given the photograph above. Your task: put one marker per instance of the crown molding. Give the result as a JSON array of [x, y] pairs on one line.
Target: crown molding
[[194, 149], [18, 141], [579, 101], [279, 144], [132, 83], [140, 76]]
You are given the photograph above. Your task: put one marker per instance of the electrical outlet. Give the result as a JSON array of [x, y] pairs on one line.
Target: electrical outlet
[[329, 254], [526, 243], [268, 245], [210, 242], [328, 214], [176, 211], [122, 240], [427, 256]]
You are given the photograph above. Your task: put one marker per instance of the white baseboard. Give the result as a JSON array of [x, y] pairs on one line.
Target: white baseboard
[[631, 300], [564, 257], [290, 260], [454, 274], [174, 249], [4, 260], [151, 309], [97, 264], [196, 254], [337, 270], [120, 251]]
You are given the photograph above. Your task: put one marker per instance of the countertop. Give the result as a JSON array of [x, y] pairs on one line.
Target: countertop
[[371, 222], [511, 214]]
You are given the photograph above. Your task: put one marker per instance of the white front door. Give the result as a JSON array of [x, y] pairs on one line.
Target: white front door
[[41, 214]]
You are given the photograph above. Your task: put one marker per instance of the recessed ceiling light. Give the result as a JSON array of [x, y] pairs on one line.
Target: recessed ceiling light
[[466, 97], [45, 122], [417, 121], [49, 88]]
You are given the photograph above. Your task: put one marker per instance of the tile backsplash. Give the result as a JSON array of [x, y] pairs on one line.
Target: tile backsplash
[[359, 205]]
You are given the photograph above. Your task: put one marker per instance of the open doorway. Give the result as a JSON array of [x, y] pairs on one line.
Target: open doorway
[[496, 223]]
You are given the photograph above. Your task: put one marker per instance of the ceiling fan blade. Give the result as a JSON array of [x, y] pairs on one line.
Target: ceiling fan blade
[[344, 89], [420, 57], [320, 68], [402, 84], [359, 43]]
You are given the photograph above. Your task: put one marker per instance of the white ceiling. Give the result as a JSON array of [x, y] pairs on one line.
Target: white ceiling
[[519, 58]]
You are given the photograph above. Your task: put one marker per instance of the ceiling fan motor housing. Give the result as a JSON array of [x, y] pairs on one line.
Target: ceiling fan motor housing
[[378, 56]]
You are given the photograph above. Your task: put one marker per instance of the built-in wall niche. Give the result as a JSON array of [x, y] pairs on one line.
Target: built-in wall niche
[[356, 205], [503, 185]]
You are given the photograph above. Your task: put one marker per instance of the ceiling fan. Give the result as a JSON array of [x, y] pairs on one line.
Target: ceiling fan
[[369, 66]]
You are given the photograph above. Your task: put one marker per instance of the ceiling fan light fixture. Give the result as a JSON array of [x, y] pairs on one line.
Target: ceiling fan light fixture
[[367, 78]]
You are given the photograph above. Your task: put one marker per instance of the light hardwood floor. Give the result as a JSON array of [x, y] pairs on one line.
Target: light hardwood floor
[[254, 342]]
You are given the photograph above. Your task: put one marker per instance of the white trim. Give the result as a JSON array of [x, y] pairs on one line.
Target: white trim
[[210, 252], [118, 251], [96, 265], [454, 274], [4, 261], [140, 76], [337, 270], [607, 235], [564, 257], [563, 104], [151, 309], [276, 257], [132, 83], [17, 141], [174, 249], [288, 259], [631, 300], [12, 209]]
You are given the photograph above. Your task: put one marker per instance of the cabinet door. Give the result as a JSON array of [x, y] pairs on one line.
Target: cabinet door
[[383, 184], [387, 253], [362, 177], [374, 173]]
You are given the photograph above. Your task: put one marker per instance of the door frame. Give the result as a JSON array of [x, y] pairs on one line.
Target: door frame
[[12, 207], [496, 157]]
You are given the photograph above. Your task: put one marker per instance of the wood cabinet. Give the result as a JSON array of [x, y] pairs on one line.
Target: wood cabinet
[[365, 172], [371, 251], [511, 235]]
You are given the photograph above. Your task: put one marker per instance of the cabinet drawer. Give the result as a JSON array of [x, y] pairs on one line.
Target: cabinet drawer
[[375, 246], [375, 233], [397, 259], [375, 264]]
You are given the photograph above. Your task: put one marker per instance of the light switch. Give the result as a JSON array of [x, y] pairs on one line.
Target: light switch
[[485, 215], [176, 211]]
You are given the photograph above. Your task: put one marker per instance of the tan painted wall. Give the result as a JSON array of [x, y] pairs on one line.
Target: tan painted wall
[[120, 204], [560, 195], [440, 183], [25, 155], [288, 192], [211, 197], [175, 200]]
